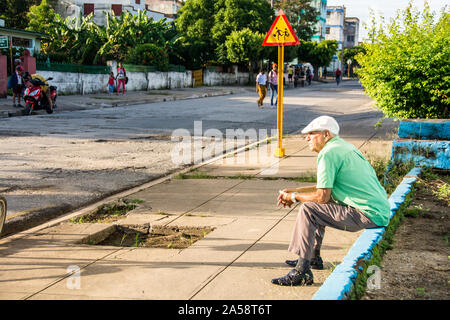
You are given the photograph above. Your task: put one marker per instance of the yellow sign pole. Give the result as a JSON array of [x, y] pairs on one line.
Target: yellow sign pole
[[279, 152], [280, 35]]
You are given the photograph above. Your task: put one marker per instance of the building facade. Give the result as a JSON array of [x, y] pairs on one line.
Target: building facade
[[351, 32], [335, 31], [167, 7], [321, 6], [73, 8], [16, 38]]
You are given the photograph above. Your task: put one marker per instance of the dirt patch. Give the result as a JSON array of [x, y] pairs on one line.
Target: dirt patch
[[418, 266], [109, 212], [172, 237]]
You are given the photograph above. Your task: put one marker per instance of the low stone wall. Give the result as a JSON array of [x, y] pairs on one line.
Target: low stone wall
[[84, 83], [211, 78]]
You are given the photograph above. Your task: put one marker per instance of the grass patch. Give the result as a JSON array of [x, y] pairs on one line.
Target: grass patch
[[194, 175], [443, 193], [380, 249], [171, 237], [427, 180], [109, 212], [389, 174]]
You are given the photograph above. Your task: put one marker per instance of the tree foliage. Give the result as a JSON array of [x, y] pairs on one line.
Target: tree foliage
[[318, 54], [85, 42], [301, 15], [194, 23], [14, 12], [41, 17], [245, 46], [149, 54], [406, 68], [204, 25]]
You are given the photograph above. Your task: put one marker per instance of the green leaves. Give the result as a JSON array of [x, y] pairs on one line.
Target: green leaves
[[149, 54], [318, 54], [244, 45], [205, 26], [301, 15], [406, 67]]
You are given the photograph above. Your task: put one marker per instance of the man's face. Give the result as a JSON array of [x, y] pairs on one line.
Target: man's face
[[316, 140]]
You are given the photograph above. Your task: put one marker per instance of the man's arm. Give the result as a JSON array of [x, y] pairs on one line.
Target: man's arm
[[318, 196], [301, 189]]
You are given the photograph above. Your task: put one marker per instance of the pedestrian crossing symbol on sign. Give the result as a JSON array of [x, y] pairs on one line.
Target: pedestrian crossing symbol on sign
[[281, 33]]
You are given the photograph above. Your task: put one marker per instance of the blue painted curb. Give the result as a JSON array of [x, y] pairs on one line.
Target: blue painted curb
[[423, 130], [434, 154], [339, 284]]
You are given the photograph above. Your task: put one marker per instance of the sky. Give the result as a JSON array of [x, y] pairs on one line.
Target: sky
[[386, 8]]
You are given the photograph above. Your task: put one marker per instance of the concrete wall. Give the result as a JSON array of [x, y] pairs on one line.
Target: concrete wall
[[219, 78], [84, 83]]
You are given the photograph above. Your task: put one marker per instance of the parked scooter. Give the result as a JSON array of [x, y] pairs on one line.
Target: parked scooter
[[36, 98]]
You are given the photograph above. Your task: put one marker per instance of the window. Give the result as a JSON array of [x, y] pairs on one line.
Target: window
[[350, 38], [117, 9], [88, 8], [21, 42], [138, 1], [327, 30]]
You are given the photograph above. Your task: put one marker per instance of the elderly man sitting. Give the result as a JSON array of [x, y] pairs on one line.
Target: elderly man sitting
[[347, 196]]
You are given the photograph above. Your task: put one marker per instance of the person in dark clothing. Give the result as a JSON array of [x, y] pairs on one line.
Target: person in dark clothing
[[16, 84]]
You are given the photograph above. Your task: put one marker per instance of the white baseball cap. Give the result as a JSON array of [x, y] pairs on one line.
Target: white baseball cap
[[322, 123]]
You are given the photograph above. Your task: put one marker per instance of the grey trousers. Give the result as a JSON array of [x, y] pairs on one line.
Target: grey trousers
[[312, 218]]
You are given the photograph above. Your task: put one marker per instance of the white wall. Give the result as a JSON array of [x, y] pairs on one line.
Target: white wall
[[84, 83], [211, 78]]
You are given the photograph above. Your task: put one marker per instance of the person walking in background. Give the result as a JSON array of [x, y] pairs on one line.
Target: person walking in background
[[261, 87], [273, 83], [308, 75], [290, 73], [121, 76], [111, 82], [338, 76], [16, 84]]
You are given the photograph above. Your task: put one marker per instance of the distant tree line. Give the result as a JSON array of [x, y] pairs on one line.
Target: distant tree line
[[205, 32]]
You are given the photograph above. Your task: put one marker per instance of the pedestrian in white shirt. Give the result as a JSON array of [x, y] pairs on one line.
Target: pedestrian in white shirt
[[261, 87]]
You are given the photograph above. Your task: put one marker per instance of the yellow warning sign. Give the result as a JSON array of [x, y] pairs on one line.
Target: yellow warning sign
[[281, 33]]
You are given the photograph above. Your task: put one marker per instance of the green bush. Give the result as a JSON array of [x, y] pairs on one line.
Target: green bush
[[53, 57], [149, 54], [406, 67]]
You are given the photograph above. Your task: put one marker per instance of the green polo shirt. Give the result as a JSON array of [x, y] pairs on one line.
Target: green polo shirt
[[353, 181]]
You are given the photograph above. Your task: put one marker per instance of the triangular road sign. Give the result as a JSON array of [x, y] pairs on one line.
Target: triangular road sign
[[281, 33]]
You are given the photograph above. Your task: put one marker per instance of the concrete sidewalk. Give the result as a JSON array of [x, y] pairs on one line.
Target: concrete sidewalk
[[237, 260]]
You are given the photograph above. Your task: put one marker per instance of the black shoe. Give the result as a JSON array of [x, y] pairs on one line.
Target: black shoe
[[316, 263], [295, 278]]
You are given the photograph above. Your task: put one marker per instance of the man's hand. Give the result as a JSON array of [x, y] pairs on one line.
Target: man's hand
[[284, 198]]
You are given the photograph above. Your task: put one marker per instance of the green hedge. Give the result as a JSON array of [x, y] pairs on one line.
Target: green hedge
[[138, 68], [76, 68]]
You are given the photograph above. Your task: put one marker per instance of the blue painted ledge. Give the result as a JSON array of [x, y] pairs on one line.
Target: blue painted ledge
[[424, 130], [434, 154], [339, 284]]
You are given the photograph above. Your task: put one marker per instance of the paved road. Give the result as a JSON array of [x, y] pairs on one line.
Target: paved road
[[50, 164]]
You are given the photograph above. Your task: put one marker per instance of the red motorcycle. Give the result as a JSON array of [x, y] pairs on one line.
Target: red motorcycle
[[36, 99]]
